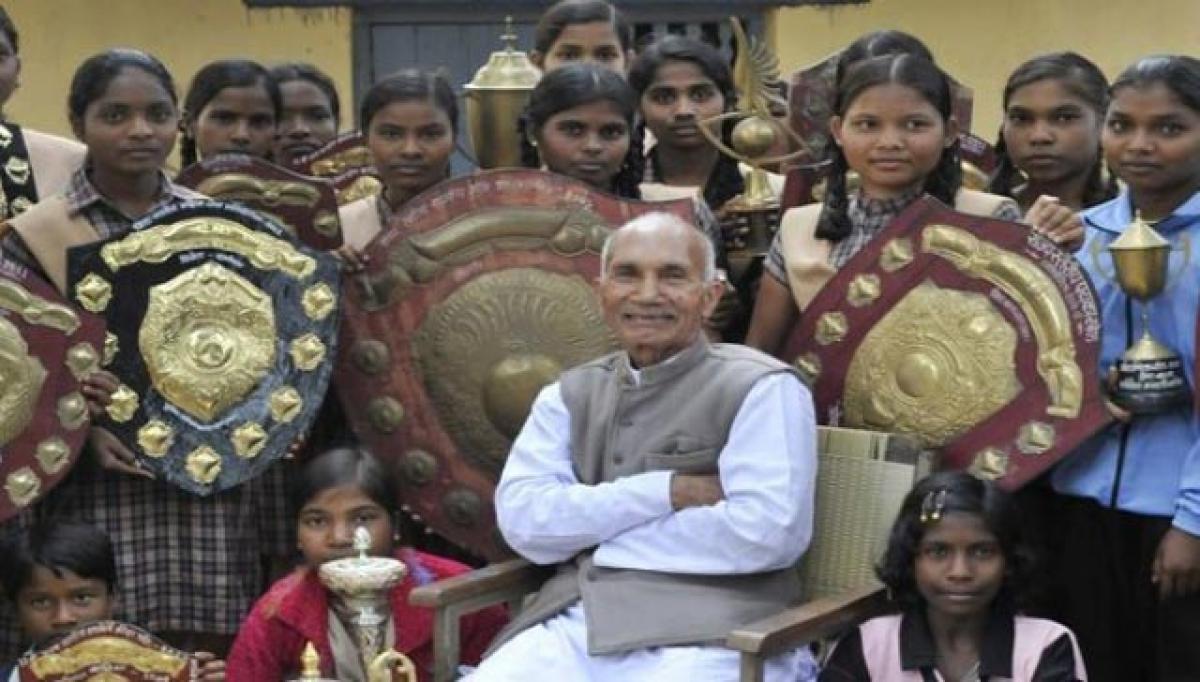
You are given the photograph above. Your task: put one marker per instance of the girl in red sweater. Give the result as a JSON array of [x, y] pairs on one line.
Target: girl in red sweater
[[336, 493]]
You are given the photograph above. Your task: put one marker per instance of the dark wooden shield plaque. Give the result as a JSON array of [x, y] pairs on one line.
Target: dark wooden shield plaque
[[811, 99], [108, 651], [46, 347], [224, 330], [343, 153], [477, 295], [978, 336], [306, 206]]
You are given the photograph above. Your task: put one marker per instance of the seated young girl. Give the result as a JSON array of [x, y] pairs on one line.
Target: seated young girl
[[957, 563], [337, 492]]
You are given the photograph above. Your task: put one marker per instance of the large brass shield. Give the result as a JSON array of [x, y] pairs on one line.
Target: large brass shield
[[222, 332], [305, 206], [46, 347], [478, 294], [108, 651], [976, 336], [345, 162]]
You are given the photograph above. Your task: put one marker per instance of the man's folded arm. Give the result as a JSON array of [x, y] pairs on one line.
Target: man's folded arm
[[768, 471], [545, 513]]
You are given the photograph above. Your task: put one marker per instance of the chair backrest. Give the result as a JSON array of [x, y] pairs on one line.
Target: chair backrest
[[862, 478]]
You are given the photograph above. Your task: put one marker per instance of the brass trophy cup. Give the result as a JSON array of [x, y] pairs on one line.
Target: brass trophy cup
[[362, 583], [495, 99], [1149, 377]]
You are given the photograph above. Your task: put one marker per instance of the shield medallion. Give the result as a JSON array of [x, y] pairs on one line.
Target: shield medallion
[[47, 346], [977, 336], [478, 294], [345, 162], [222, 332], [108, 651], [306, 206]]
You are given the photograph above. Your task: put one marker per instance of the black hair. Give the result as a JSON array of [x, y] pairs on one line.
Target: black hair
[[879, 44], [576, 85], [94, 75], [57, 546], [1083, 79], [301, 71], [409, 85], [1179, 73], [725, 181], [911, 71], [958, 492], [343, 466], [574, 12], [210, 81], [9, 29]]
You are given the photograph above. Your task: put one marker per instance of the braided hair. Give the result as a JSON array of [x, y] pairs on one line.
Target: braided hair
[[725, 181], [576, 85], [209, 82], [924, 78], [1083, 79]]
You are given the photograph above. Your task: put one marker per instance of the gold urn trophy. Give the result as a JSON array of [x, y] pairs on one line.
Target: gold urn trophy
[[495, 99], [1149, 377], [362, 584]]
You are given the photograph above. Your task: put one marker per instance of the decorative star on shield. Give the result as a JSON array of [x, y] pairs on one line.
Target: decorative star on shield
[[977, 336], [46, 347], [223, 330]]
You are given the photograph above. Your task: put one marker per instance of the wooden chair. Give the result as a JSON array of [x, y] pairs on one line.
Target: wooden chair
[[862, 478]]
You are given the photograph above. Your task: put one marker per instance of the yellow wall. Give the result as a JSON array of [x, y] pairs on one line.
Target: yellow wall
[[980, 42], [56, 35]]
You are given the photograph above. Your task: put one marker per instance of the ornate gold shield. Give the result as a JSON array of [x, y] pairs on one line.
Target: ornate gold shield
[[306, 206], [46, 347], [478, 294], [346, 163], [110, 652], [976, 336], [222, 331]]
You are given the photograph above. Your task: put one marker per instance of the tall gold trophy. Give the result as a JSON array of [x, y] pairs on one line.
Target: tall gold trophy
[[1149, 377], [757, 208], [495, 99], [361, 585]]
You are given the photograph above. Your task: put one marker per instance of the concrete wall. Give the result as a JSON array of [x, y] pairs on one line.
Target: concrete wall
[[56, 35], [981, 41]]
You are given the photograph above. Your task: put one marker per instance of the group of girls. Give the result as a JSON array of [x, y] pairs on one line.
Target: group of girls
[[1126, 527]]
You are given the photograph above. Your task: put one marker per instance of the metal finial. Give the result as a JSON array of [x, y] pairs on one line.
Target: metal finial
[[362, 541], [510, 34]]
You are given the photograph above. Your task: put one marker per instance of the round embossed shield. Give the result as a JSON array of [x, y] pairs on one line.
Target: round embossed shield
[[108, 651], [222, 329], [477, 295], [978, 337], [46, 347]]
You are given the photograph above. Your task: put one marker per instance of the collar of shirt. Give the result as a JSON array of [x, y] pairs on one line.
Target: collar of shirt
[[864, 209], [1115, 215], [918, 651], [664, 369], [81, 194]]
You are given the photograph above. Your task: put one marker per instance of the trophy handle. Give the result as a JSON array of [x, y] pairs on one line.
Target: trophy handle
[[1185, 248], [1098, 261], [392, 665]]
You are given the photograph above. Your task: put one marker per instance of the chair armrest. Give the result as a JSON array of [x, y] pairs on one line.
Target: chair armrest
[[501, 579], [816, 620]]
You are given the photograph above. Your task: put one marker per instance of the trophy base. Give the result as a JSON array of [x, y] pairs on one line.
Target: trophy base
[[1151, 386]]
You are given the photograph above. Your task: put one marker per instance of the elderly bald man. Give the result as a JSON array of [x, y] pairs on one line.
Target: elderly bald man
[[670, 483]]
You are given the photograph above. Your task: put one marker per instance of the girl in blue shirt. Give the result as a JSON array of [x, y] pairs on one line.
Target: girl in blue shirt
[[1129, 553]]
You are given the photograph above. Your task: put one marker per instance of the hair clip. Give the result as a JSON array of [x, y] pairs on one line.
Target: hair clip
[[933, 505]]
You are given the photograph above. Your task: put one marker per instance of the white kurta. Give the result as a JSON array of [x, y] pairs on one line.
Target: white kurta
[[767, 469]]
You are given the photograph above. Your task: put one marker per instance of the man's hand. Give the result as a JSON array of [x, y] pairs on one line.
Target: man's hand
[[98, 388], [1059, 223], [112, 454], [692, 490], [1176, 568], [212, 669]]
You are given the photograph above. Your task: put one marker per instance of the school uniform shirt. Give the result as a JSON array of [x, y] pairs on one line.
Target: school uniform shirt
[[1150, 465], [901, 648], [184, 563], [296, 611]]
